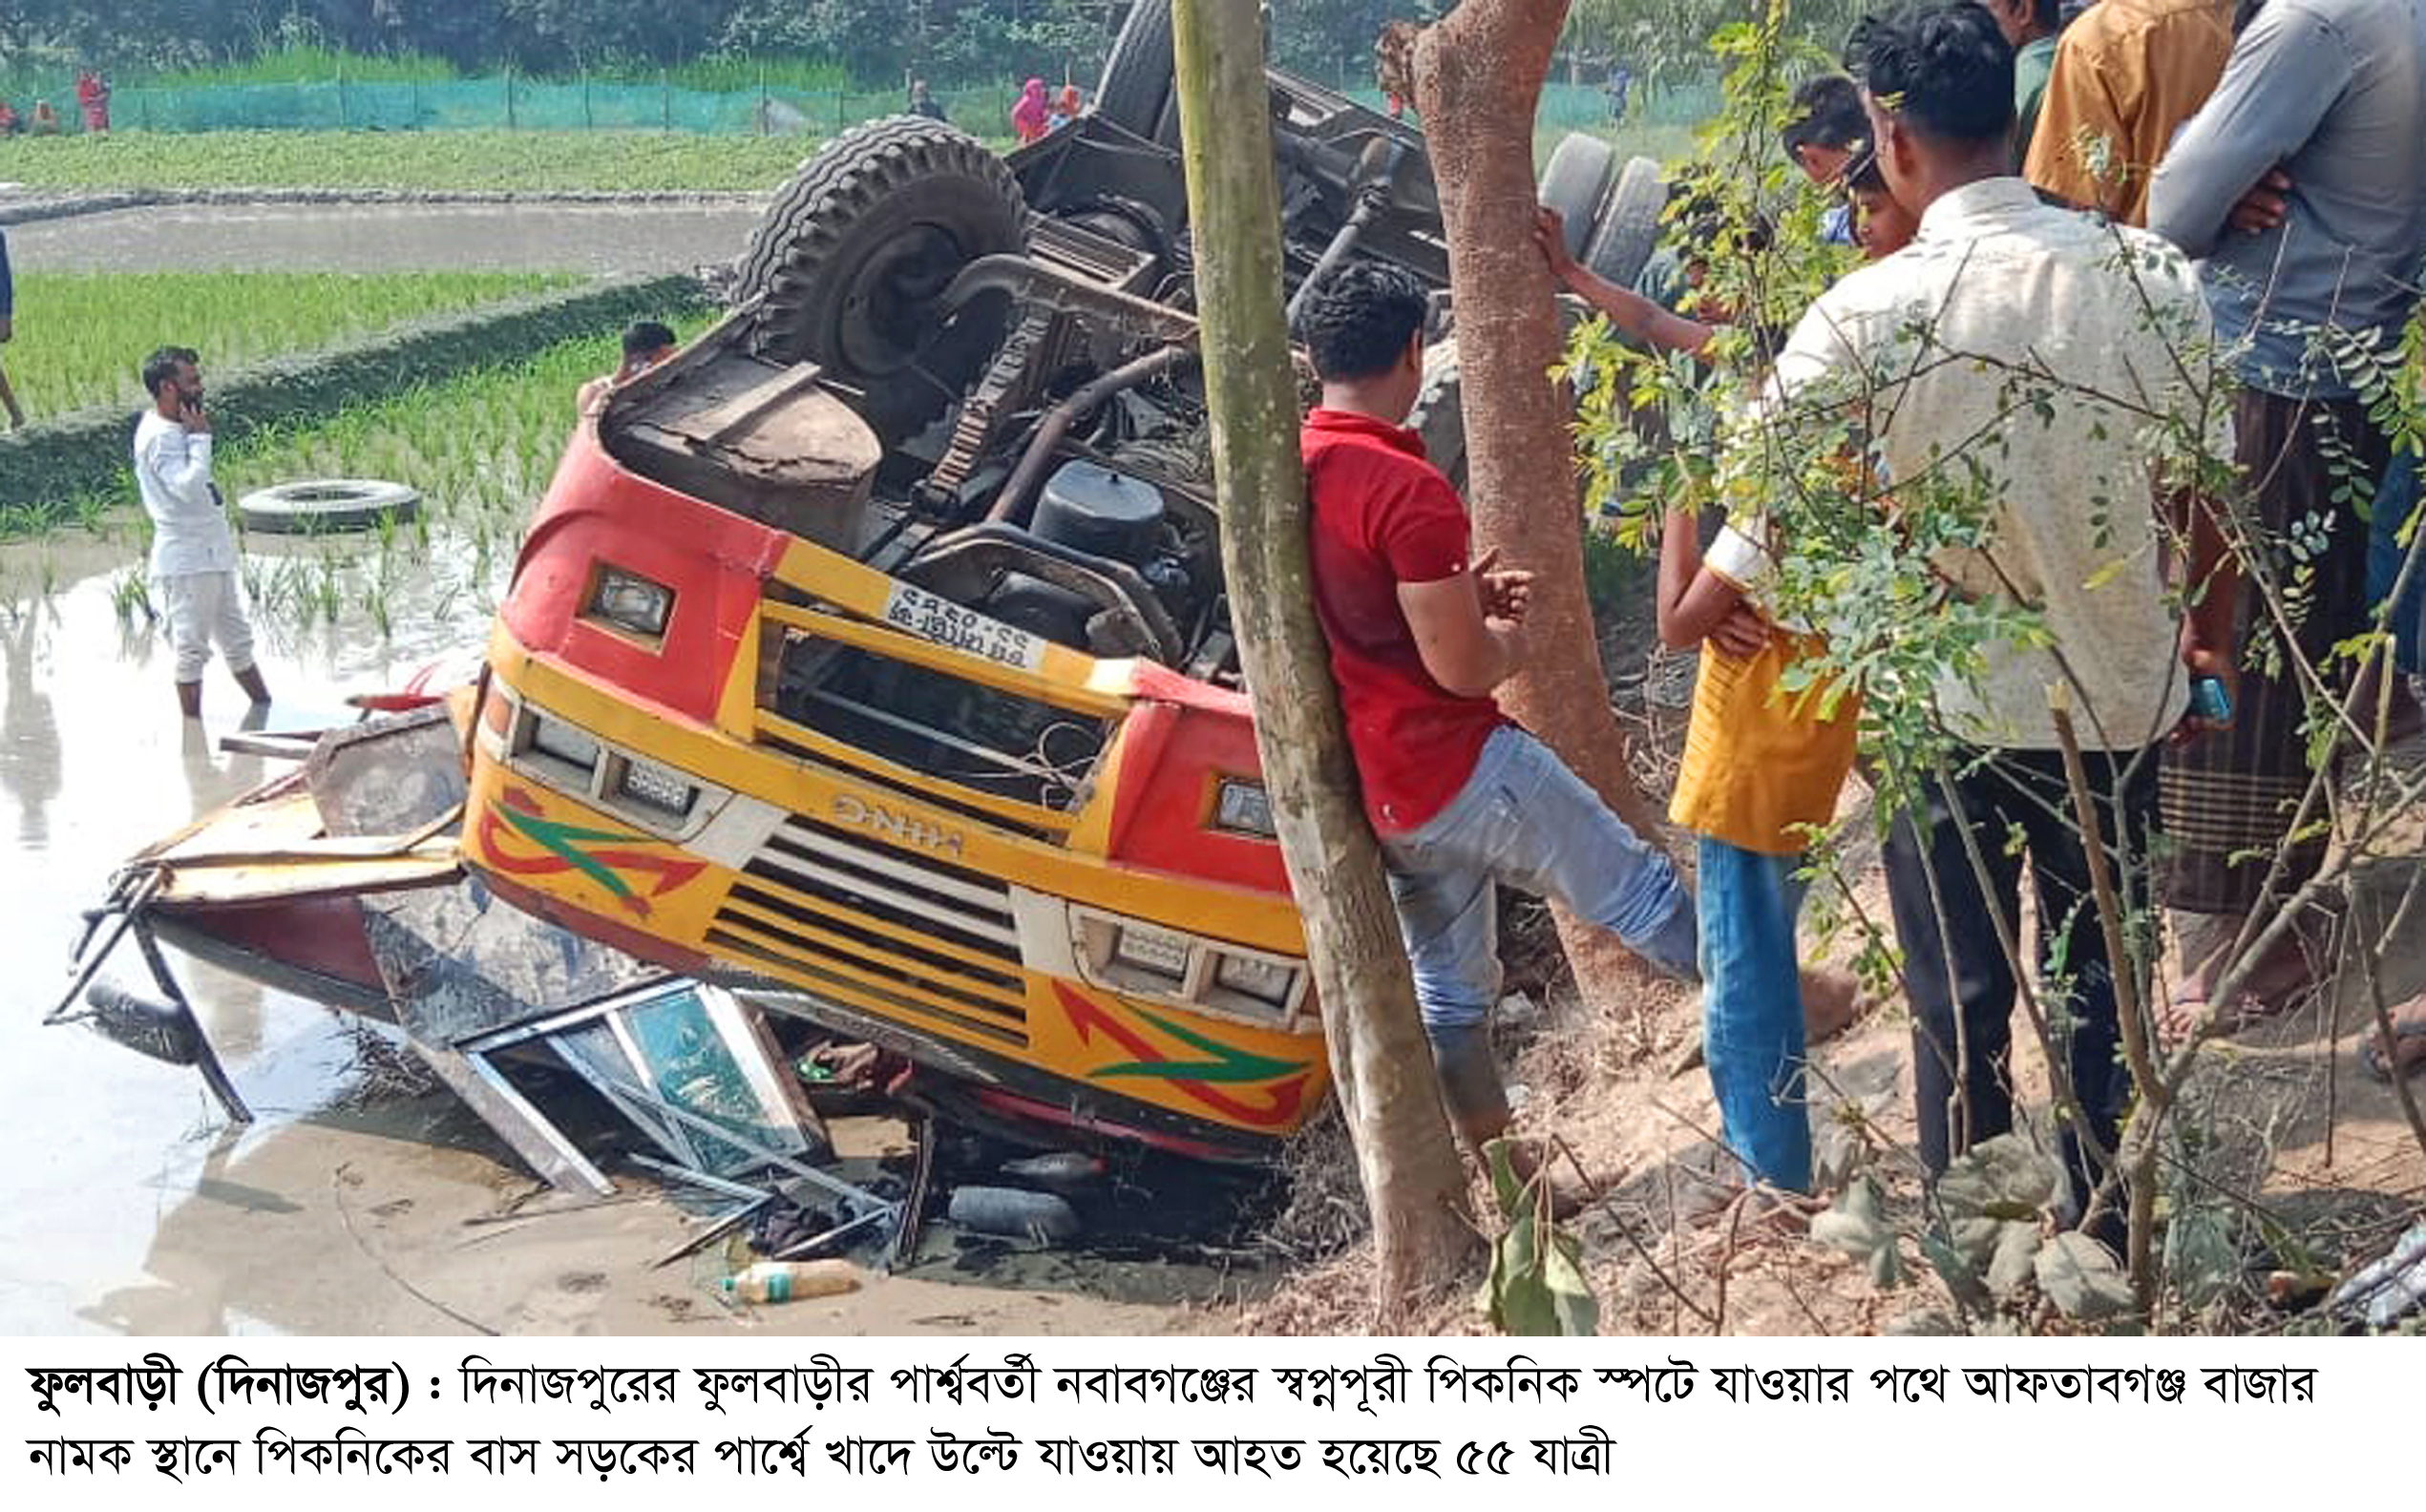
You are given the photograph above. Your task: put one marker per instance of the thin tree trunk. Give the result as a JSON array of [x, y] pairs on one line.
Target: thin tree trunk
[[1478, 75], [1380, 1060]]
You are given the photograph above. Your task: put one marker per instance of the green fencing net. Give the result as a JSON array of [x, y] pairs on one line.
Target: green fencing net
[[1580, 107], [513, 103], [509, 102]]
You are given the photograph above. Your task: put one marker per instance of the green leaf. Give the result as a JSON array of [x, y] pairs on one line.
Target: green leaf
[[1506, 1189], [1998, 1178], [2200, 1254], [1536, 1286], [1524, 1305], [1855, 1225], [1570, 1295], [2076, 1274], [2015, 1259], [1960, 1278]]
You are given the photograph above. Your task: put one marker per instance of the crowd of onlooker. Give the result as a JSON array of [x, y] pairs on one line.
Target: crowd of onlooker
[[92, 100], [2059, 216]]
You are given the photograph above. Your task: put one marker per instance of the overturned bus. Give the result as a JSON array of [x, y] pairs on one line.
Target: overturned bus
[[870, 655], [875, 644]]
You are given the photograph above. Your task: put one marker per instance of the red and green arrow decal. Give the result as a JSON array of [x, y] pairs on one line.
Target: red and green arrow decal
[[574, 848], [1221, 1065]]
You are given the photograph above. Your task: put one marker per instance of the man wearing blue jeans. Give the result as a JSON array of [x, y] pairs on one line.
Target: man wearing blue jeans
[[2395, 499], [1462, 799]]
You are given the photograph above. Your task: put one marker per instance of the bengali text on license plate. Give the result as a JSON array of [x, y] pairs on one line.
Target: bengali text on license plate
[[940, 619]]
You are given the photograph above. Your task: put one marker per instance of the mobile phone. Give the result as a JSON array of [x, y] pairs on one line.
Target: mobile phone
[[2208, 701]]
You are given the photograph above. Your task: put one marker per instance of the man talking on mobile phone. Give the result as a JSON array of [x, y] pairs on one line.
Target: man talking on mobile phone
[[193, 562]]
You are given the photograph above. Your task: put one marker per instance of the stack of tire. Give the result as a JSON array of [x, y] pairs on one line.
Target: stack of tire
[[1612, 218]]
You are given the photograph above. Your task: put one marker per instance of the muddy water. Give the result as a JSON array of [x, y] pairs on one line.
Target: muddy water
[[355, 238], [92, 763], [135, 1207]]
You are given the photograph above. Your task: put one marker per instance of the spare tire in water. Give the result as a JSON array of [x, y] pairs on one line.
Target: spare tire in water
[[326, 504]]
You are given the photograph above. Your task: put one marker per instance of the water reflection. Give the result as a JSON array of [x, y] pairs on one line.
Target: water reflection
[[97, 765], [29, 731]]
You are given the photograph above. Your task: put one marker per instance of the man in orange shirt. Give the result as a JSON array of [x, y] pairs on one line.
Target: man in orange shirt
[[2127, 75]]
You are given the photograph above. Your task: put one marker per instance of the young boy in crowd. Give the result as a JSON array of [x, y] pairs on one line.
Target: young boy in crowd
[[1881, 224], [1762, 770]]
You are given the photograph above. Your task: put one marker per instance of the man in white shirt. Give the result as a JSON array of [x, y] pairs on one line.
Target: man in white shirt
[[193, 550], [2025, 356]]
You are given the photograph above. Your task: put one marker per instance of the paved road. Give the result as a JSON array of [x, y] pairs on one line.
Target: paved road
[[361, 239]]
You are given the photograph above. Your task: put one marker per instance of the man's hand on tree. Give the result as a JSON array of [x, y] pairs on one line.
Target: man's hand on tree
[[1550, 234], [1503, 593]]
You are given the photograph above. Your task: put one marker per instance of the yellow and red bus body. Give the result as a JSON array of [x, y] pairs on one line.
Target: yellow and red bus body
[[1121, 964]]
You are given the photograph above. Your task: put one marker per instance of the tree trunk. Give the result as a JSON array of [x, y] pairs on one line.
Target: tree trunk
[[1380, 1060], [1478, 75]]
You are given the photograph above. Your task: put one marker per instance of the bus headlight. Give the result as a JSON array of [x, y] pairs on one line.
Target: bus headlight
[[1160, 964], [1243, 807], [656, 787], [1160, 951], [631, 603], [1268, 981]]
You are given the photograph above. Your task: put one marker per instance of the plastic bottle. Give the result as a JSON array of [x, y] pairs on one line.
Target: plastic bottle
[[791, 1280]]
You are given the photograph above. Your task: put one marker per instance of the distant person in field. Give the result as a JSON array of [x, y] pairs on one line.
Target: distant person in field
[[1065, 109], [193, 562], [1031, 116], [93, 99], [11, 122], [46, 120], [8, 331], [646, 344], [1621, 78], [923, 103]]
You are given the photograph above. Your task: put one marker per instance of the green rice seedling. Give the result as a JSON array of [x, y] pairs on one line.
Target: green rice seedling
[[81, 337], [131, 595], [480, 448], [677, 161]]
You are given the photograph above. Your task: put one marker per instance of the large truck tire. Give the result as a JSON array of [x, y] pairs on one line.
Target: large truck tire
[[1628, 226], [1573, 181], [858, 246], [1436, 415], [1135, 93], [854, 255], [326, 505]]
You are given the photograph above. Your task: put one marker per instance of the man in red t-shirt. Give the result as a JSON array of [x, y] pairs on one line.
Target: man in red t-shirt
[[1461, 798]]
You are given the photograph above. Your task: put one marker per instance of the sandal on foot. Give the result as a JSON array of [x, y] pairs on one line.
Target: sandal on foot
[[2409, 1050]]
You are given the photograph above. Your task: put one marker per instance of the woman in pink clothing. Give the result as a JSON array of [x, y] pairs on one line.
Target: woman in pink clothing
[[1029, 116]]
